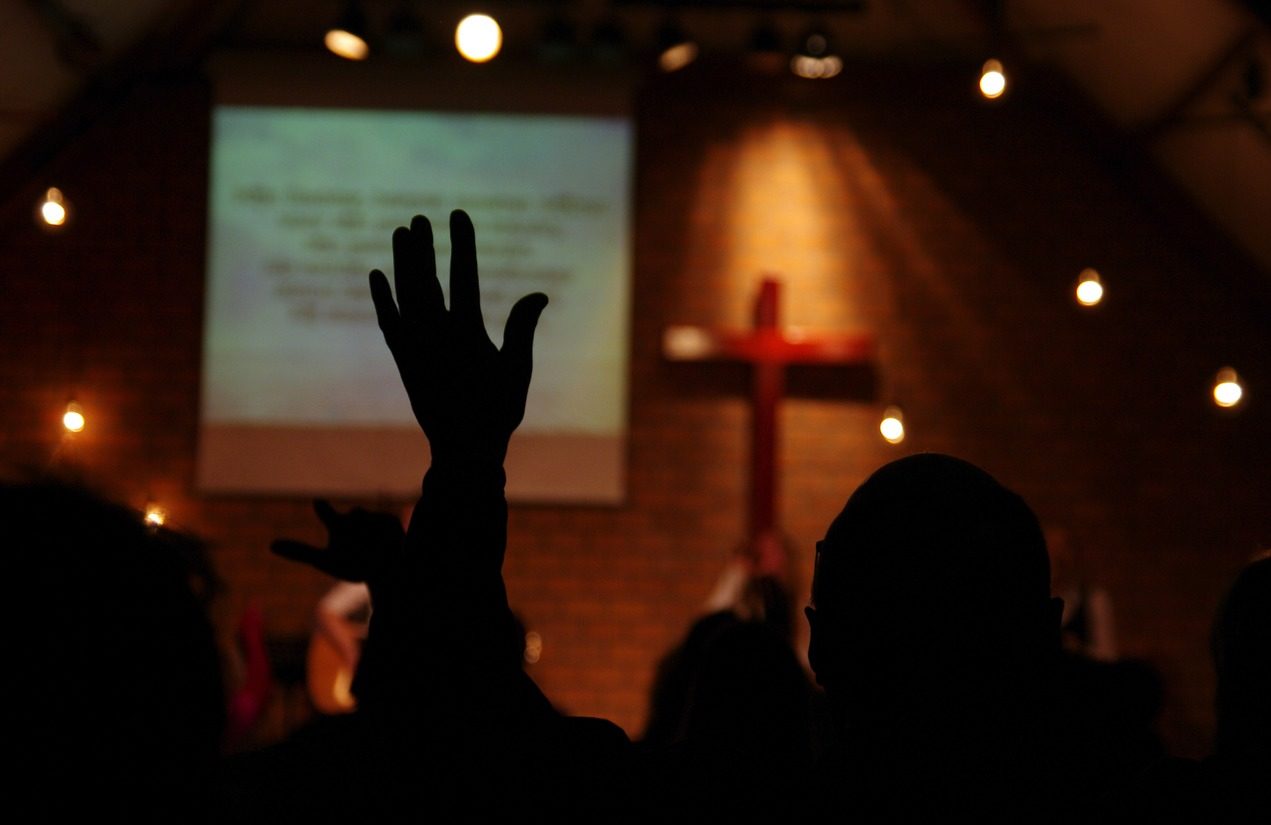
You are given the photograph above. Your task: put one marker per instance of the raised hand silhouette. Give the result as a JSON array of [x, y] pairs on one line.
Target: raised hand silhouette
[[360, 544], [467, 394]]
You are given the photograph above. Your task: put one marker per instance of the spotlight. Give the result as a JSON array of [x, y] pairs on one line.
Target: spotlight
[[675, 48], [73, 418], [1089, 288], [892, 426], [53, 209], [347, 38], [478, 38], [992, 79], [1227, 389], [815, 59]]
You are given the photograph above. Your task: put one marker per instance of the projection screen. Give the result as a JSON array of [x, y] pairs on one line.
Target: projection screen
[[299, 393]]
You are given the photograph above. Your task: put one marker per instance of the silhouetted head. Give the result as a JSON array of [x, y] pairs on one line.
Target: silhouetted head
[[931, 596], [120, 682], [1242, 658]]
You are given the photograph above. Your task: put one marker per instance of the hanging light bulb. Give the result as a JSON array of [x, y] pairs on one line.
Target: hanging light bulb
[[1227, 389], [478, 38], [73, 418], [892, 426], [1089, 288], [53, 209], [992, 79], [347, 38]]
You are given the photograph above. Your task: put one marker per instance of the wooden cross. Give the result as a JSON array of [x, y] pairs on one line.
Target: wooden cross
[[768, 350]]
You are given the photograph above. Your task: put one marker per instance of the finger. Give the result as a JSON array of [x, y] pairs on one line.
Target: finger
[[518, 347], [434, 302], [518, 332], [385, 310], [406, 278], [465, 291], [325, 512]]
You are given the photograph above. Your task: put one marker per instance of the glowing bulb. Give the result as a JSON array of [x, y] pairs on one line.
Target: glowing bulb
[[1227, 389], [678, 56], [346, 44], [155, 515], [1089, 288], [892, 426], [478, 37], [73, 418], [53, 209], [992, 79]]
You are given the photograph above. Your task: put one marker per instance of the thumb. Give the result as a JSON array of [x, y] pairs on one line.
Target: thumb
[[518, 333]]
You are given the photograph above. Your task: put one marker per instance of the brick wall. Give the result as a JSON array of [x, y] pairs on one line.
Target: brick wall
[[892, 202]]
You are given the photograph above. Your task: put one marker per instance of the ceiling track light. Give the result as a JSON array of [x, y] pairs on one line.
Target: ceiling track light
[[53, 210], [992, 79], [1089, 287], [815, 58], [348, 37], [478, 38], [675, 48], [1228, 390], [892, 427]]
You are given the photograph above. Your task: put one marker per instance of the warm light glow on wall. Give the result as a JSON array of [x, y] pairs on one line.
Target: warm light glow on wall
[[478, 38], [346, 44], [992, 79], [792, 164], [1089, 288], [53, 209], [892, 426], [1227, 388], [73, 419]]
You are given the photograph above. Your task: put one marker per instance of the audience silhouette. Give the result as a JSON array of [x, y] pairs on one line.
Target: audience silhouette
[[119, 707], [934, 636]]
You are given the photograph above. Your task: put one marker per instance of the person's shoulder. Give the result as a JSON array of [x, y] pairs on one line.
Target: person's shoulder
[[596, 734]]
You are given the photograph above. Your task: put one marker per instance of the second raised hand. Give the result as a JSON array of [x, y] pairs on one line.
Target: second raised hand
[[467, 395]]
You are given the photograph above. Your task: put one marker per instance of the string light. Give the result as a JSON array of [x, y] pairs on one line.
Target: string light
[[73, 418], [992, 79], [892, 426], [478, 38], [1227, 389], [53, 209], [1089, 288]]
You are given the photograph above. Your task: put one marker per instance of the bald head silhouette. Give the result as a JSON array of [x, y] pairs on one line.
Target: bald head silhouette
[[931, 597]]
